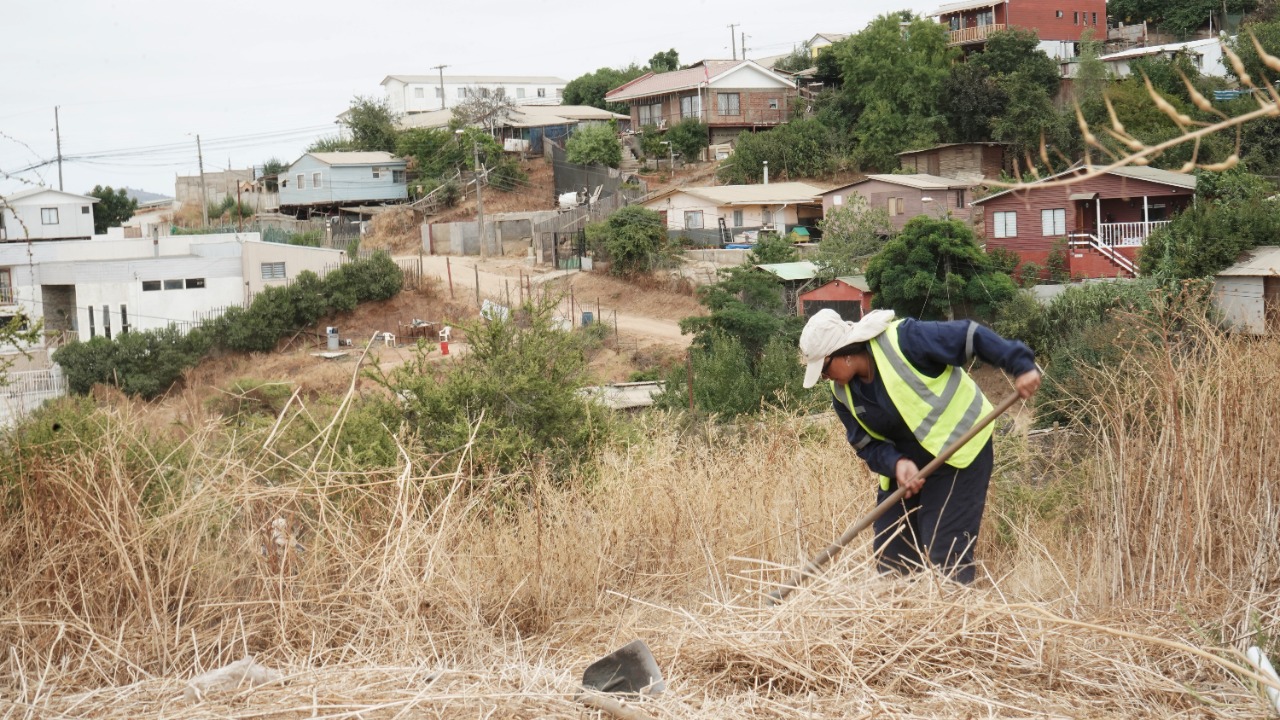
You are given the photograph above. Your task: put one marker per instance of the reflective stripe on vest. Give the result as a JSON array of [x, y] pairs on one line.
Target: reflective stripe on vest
[[938, 410], [847, 401]]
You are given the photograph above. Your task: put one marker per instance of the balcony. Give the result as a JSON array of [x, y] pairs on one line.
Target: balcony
[[971, 35], [6, 295]]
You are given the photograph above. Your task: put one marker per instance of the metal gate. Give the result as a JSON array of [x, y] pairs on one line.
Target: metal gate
[[568, 249]]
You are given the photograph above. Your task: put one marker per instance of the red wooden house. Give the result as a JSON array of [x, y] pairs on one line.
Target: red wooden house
[[1059, 25], [1101, 221]]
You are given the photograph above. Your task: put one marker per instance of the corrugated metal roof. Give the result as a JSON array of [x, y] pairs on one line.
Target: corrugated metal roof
[[785, 193], [432, 119], [1264, 261], [947, 145], [355, 158], [857, 281], [1150, 174], [959, 6], [1155, 49], [477, 79], [922, 181], [802, 270], [686, 79], [1156, 175]]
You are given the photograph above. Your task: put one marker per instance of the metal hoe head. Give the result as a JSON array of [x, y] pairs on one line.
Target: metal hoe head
[[629, 669]]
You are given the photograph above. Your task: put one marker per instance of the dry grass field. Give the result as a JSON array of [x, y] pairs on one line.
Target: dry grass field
[[1125, 566]]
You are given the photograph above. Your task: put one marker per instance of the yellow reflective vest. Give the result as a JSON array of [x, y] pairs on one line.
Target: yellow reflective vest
[[939, 410]]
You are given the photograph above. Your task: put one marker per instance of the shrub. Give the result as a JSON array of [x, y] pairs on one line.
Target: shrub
[[516, 390], [594, 145], [144, 363], [689, 138], [633, 239]]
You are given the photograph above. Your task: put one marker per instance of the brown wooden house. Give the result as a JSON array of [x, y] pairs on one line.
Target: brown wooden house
[[1101, 222], [958, 160], [906, 196], [728, 95]]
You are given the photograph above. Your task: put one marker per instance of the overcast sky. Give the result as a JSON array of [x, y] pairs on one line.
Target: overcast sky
[[136, 80]]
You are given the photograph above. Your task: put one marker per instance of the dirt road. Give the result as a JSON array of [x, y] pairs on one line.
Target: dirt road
[[497, 285]]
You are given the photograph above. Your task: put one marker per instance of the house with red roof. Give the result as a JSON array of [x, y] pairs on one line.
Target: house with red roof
[[728, 95], [1100, 221]]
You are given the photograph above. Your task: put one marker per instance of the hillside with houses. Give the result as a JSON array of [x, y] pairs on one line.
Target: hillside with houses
[[501, 399]]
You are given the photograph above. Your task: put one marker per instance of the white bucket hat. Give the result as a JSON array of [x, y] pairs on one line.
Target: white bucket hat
[[827, 332]]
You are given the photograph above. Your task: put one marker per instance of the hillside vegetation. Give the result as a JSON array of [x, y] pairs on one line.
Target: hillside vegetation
[[1125, 564]]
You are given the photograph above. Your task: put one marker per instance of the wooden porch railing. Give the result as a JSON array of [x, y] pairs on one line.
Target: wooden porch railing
[[1128, 234], [979, 33]]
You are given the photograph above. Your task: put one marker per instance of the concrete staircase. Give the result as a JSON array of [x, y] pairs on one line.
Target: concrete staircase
[[630, 159]]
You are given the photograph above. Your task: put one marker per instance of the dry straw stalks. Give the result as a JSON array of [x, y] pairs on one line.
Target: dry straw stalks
[[418, 591]]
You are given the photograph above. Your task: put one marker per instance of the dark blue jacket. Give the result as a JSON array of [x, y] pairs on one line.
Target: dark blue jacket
[[930, 347]]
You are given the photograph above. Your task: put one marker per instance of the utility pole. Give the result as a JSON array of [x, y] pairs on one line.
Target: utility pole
[[733, 39], [441, 69], [204, 192], [57, 133], [744, 46], [479, 201]]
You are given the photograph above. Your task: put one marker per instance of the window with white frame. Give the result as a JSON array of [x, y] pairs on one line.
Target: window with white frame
[[378, 172], [150, 285], [420, 93], [651, 114], [773, 103], [85, 210], [737, 218], [484, 92], [1053, 223], [519, 92], [175, 284], [301, 180], [729, 103], [691, 107], [960, 199], [766, 217], [315, 180], [48, 216], [273, 271], [439, 93], [692, 219], [6, 286], [397, 176], [542, 92], [560, 92], [1004, 224]]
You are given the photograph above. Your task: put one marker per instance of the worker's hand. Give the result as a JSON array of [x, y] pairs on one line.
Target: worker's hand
[[905, 472], [1027, 384]]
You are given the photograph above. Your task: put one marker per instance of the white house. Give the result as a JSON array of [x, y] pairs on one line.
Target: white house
[[1205, 54], [45, 214], [407, 94], [82, 289], [742, 208]]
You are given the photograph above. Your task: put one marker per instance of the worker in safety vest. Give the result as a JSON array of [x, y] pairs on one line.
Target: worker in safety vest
[[901, 391]]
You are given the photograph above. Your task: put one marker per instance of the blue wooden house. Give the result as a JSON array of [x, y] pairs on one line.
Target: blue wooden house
[[325, 181]]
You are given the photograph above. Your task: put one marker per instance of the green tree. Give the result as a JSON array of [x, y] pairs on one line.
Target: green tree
[[372, 124], [801, 148], [801, 58], [113, 208], [1268, 36], [1231, 215], [851, 235], [747, 303], [594, 145], [16, 331], [1016, 51], [427, 147], [689, 138], [973, 99], [1179, 17], [633, 239], [1030, 117], [271, 171], [665, 61], [895, 70], [934, 269], [590, 89]]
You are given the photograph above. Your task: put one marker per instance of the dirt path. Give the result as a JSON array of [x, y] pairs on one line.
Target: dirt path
[[496, 284]]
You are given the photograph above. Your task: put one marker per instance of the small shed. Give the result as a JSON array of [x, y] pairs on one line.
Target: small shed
[[1248, 293], [795, 277], [848, 296]]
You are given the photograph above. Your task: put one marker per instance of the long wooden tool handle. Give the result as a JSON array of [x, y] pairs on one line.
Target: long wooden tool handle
[[814, 566]]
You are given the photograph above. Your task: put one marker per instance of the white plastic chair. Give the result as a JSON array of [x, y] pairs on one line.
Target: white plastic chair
[[444, 333]]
